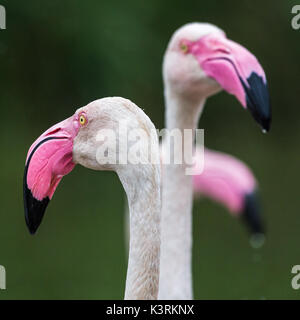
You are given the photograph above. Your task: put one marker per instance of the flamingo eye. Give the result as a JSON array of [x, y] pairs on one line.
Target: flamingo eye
[[82, 120], [184, 47]]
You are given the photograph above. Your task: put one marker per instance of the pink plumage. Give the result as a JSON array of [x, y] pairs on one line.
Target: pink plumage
[[229, 181], [237, 71]]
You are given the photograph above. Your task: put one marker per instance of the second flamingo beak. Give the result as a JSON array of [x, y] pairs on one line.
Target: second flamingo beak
[[237, 71], [48, 160], [252, 214]]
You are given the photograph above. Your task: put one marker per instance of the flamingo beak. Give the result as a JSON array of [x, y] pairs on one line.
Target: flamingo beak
[[252, 217], [48, 160], [252, 213], [237, 71]]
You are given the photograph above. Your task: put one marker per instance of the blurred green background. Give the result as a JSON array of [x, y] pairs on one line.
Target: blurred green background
[[58, 55]]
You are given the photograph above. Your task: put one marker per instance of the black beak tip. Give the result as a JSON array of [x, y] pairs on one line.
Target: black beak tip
[[252, 214], [34, 210], [258, 100], [31, 225], [265, 124]]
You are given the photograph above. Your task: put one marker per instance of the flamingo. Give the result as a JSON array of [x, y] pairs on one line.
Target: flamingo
[[76, 141], [199, 61], [229, 181]]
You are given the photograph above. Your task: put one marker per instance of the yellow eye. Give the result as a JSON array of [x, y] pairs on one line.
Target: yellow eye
[[82, 120], [184, 48]]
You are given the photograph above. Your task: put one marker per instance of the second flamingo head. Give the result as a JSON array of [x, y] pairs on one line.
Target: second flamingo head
[[200, 61]]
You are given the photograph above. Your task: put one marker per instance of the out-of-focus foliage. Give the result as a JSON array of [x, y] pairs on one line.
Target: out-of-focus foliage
[[58, 55]]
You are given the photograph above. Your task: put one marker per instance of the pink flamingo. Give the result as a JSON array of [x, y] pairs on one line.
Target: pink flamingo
[[199, 61], [229, 181], [76, 141]]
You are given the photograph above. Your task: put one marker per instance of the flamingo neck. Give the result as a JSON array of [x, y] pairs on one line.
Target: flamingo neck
[[144, 200], [177, 200]]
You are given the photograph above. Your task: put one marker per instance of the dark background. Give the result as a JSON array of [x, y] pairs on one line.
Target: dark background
[[56, 56]]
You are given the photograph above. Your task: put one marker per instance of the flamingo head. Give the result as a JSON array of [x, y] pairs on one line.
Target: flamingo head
[[76, 140], [200, 61], [230, 182]]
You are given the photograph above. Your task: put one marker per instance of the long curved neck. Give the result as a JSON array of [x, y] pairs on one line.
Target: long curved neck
[[144, 199], [176, 225]]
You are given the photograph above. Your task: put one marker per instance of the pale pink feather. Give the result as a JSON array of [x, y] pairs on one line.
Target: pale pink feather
[[225, 179]]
